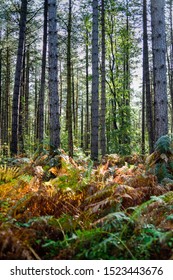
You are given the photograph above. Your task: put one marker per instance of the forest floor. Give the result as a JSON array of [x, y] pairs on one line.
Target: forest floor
[[62, 208]]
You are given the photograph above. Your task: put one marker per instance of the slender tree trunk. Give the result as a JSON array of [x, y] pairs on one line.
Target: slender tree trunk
[[124, 108], [7, 99], [171, 64], [82, 126], [146, 81], [26, 93], [73, 103], [0, 91], [159, 67], [21, 108], [77, 104], [127, 79], [95, 85], [42, 88], [143, 116], [16, 92], [35, 108], [53, 78], [61, 88], [87, 130], [103, 86], [69, 86]]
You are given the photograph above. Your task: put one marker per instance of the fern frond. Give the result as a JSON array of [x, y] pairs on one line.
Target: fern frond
[[8, 173], [113, 220], [161, 171], [12, 248], [163, 144], [95, 207], [100, 194]]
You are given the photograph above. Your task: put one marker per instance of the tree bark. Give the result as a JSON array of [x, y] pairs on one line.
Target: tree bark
[[103, 86], [146, 81], [0, 91], [95, 84], [42, 88], [87, 129], [21, 108], [69, 85], [53, 78], [170, 64], [7, 98], [16, 92], [26, 93], [159, 67]]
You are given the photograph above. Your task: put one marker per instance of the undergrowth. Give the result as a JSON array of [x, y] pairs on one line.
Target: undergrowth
[[58, 208]]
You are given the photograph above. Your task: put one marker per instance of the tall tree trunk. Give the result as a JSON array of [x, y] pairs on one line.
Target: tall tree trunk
[[103, 88], [143, 116], [35, 108], [77, 104], [42, 88], [21, 108], [159, 67], [7, 98], [53, 78], [82, 126], [146, 80], [87, 129], [69, 86], [61, 88], [127, 78], [26, 93], [124, 107], [0, 91], [171, 64], [95, 84], [16, 99], [73, 103]]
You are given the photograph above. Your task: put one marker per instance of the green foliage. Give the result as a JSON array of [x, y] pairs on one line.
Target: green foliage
[[87, 174], [115, 221], [4, 205], [163, 144], [161, 160], [167, 197], [8, 173], [95, 244], [20, 205], [68, 181], [162, 171], [52, 247], [145, 242]]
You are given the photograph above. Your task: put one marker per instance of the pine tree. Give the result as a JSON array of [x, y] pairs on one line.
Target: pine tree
[[42, 88], [95, 84], [16, 92], [53, 77], [159, 67]]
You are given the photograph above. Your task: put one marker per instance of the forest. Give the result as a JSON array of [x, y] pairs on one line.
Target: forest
[[86, 129]]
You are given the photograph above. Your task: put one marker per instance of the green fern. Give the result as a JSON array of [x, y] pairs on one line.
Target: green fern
[[163, 164], [163, 144], [162, 171], [167, 197], [8, 173], [20, 206], [114, 221], [88, 172]]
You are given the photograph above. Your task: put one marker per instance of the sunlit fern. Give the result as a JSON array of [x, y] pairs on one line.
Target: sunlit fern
[[8, 173]]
